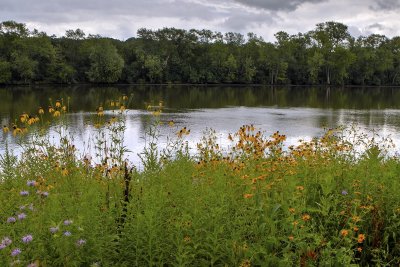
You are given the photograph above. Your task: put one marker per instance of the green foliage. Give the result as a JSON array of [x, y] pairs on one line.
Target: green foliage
[[326, 55], [105, 63]]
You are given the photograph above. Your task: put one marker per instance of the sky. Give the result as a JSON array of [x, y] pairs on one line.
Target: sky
[[122, 18]]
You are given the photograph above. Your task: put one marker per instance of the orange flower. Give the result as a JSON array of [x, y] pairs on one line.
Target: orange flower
[[344, 232], [355, 229], [292, 210], [248, 195], [361, 238], [291, 238], [306, 217], [300, 188], [359, 249]]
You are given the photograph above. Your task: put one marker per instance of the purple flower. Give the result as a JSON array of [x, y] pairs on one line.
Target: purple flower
[[11, 220], [67, 233], [15, 252], [53, 230], [26, 239], [32, 265], [31, 183], [45, 194], [21, 216], [80, 242], [67, 222], [344, 192], [24, 193], [6, 241], [2, 246]]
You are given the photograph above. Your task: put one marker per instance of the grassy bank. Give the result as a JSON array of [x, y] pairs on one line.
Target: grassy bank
[[321, 203]]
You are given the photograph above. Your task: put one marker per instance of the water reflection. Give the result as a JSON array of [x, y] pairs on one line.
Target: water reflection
[[298, 112]]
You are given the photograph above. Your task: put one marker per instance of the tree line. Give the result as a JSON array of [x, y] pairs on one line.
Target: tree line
[[326, 55]]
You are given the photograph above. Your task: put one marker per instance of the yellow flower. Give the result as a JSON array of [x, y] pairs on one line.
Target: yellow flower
[[245, 263], [58, 104], [344, 232], [124, 97], [361, 238], [56, 113], [122, 108], [300, 188], [171, 123], [51, 109], [41, 111], [5, 129], [64, 108], [306, 217], [248, 195], [24, 117], [292, 210]]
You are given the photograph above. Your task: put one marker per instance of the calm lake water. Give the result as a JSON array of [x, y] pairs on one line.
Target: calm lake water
[[298, 112]]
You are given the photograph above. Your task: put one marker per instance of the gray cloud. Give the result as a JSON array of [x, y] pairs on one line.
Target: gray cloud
[[376, 26], [287, 5], [121, 18], [386, 5]]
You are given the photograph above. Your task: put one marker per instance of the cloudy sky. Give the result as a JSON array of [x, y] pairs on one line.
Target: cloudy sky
[[121, 18]]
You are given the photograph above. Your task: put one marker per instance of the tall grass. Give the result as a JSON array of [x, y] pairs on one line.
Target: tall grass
[[320, 203]]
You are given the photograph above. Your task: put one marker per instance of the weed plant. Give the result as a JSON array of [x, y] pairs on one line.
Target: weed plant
[[320, 203]]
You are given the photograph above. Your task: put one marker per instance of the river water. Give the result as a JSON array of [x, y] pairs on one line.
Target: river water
[[297, 112]]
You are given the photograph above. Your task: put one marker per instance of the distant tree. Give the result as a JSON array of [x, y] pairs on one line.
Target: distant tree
[[77, 34], [105, 63], [5, 72]]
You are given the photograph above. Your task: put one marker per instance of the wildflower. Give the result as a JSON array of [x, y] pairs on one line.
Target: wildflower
[[300, 188], [58, 104], [122, 108], [32, 265], [344, 192], [361, 238], [187, 239], [291, 238], [64, 108], [306, 217], [53, 230], [56, 113], [15, 252], [2, 246], [31, 183], [21, 216], [45, 194], [6, 129], [355, 229], [80, 242], [245, 263], [41, 111], [67, 233], [24, 117], [356, 219], [359, 249], [11, 220], [24, 193], [292, 210], [51, 109], [26, 239], [248, 195], [344, 232], [67, 222], [6, 241]]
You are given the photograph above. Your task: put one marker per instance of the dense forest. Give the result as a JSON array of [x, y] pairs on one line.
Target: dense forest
[[326, 55]]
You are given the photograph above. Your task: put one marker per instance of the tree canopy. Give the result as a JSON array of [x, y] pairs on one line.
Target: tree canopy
[[327, 55]]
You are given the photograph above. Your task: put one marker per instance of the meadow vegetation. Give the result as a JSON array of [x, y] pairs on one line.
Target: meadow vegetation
[[332, 201]]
